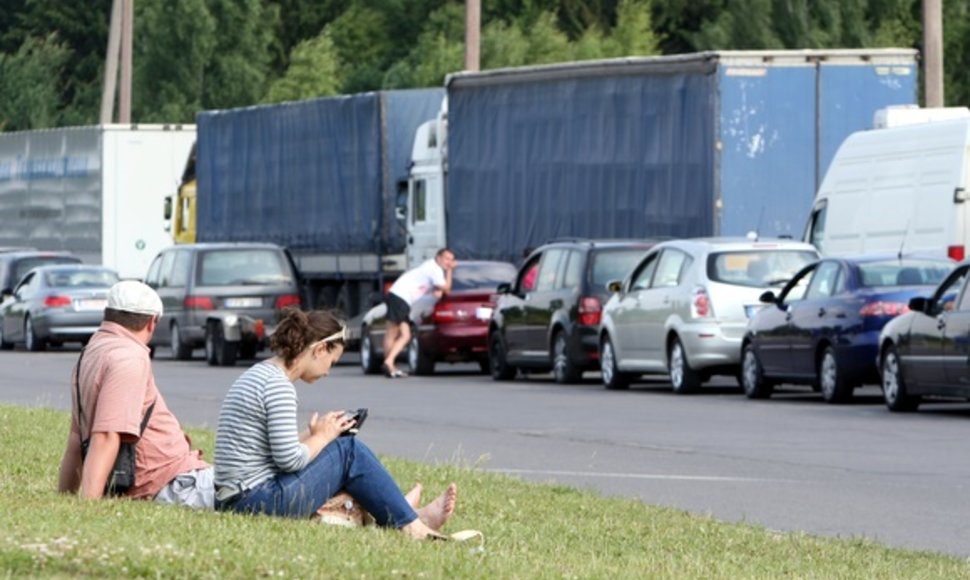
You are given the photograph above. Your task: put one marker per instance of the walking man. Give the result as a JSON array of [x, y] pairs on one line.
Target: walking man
[[433, 276], [115, 401]]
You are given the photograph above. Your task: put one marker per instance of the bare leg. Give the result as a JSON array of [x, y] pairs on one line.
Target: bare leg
[[391, 332], [401, 341], [437, 513]]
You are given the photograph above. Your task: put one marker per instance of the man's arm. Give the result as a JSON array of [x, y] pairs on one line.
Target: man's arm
[[102, 454], [70, 474]]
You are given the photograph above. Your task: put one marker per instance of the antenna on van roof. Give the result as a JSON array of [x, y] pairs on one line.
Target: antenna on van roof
[[899, 256], [757, 228]]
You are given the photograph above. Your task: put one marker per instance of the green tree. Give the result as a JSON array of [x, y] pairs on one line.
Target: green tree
[[30, 91], [313, 72], [237, 73], [361, 37]]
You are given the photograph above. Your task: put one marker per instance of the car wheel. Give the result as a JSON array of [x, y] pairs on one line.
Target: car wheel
[[894, 386], [683, 378], [563, 369], [248, 349], [831, 382], [613, 379], [369, 363], [501, 369], [180, 350], [218, 350], [752, 375], [32, 342], [4, 345], [418, 359]]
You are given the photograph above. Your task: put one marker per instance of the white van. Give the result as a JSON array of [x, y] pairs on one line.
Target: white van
[[902, 188]]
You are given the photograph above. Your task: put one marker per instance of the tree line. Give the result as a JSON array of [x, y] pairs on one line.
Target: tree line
[[194, 55]]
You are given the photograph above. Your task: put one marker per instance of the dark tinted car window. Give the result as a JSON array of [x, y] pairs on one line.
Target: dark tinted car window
[[92, 278], [902, 272], [25, 265], [475, 276], [757, 268], [243, 267], [611, 265]]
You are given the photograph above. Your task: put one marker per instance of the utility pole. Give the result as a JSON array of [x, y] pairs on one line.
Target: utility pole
[[473, 25], [111, 65], [933, 52], [127, 19]]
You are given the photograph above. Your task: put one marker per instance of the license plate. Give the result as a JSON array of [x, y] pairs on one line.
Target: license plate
[[90, 304], [243, 302], [752, 309], [483, 313]]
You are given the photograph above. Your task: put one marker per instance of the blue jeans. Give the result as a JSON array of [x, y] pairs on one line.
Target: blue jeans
[[345, 464]]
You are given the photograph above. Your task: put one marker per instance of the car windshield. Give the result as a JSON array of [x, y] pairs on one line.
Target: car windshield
[[27, 264], [479, 276], [87, 278], [609, 265], [757, 268], [908, 272], [243, 267]]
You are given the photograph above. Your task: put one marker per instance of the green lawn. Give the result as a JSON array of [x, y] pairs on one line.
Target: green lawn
[[531, 531]]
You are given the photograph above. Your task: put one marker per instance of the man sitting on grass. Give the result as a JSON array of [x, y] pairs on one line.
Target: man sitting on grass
[[113, 391]]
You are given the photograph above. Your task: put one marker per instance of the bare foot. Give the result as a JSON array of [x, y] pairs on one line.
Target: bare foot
[[439, 510], [417, 530], [414, 496]]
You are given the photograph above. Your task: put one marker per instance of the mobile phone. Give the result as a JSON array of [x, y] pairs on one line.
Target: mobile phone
[[359, 416]]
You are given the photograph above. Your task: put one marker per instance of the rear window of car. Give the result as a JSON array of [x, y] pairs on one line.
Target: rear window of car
[[243, 268], [93, 278], [27, 264], [609, 265], [908, 272], [757, 268], [479, 276]]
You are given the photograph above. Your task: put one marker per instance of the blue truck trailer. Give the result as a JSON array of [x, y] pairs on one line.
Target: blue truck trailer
[[320, 177], [713, 143]]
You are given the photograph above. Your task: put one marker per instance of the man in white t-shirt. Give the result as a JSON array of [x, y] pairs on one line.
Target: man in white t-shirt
[[433, 276]]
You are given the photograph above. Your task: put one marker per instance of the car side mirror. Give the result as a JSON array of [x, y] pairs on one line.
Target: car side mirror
[[768, 297], [919, 304], [504, 288], [614, 286]]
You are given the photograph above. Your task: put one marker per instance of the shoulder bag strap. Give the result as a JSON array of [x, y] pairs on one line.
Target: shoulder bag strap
[[77, 392]]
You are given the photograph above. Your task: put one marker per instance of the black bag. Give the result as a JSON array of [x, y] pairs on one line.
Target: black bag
[[122, 476]]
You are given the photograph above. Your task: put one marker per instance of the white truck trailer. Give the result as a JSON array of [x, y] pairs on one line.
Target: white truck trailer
[[96, 191]]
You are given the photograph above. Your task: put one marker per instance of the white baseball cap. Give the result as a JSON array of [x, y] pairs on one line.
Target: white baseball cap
[[136, 297]]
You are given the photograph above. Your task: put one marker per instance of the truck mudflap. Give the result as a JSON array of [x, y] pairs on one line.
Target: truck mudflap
[[236, 327]]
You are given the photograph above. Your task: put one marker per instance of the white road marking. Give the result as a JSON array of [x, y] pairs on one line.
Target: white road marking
[[652, 476]]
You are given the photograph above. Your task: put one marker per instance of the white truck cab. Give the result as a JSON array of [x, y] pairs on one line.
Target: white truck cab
[[425, 213], [900, 188]]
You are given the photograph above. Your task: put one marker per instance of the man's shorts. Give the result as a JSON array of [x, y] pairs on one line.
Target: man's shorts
[[195, 489], [398, 310]]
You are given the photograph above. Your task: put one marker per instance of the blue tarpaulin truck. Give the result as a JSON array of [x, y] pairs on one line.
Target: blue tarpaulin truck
[[714, 143]]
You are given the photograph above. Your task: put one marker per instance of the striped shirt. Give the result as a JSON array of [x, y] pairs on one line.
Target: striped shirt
[[258, 437]]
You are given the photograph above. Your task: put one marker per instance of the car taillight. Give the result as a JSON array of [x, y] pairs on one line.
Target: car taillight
[[444, 312], [955, 253], [198, 303], [590, 310], [700, 304], [880, 308], [55, 301], [287, 300]]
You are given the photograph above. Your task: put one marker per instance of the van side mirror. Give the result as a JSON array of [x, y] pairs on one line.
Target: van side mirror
[[918, 304], [504, 288], [614, 286], [768, 297], [168, 207]]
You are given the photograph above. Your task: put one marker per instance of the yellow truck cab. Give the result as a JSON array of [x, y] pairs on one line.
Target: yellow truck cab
[[180, 212]]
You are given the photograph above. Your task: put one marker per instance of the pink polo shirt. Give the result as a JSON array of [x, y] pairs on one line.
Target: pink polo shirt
[[117, 387]]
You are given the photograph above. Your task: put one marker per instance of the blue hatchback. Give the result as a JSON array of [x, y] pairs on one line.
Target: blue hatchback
[[823, 328]]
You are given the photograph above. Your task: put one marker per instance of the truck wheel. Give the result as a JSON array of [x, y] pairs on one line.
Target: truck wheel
[[563, 369], [4, 345], [893, 385], [831, 382], [370, 363], [683, 378], [418, 359], [613, 379], [180, 350], [33, 342], [218, 350], [501, 369], [752, 375]]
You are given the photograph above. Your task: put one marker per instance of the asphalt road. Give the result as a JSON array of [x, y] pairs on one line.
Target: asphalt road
[[789, 463]]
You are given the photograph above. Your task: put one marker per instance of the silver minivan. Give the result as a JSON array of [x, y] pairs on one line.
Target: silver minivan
[[684, 307], [226, 297]]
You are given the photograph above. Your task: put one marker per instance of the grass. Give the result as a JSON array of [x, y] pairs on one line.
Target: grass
[[531, 531]]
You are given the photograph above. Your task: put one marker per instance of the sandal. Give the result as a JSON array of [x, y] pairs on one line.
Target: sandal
[[462, 536], [398, 375]]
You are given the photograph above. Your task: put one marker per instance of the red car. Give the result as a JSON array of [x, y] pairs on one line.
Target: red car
[[452, 329]]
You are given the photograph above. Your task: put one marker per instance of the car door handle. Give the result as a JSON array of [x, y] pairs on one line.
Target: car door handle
[[788, 317], [556, 303], [821, 312], [940, 324]]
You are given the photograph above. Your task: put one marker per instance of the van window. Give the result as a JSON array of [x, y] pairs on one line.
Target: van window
[[165, 273], [419, 202], [816, 227], [244, 267], [180, 270]]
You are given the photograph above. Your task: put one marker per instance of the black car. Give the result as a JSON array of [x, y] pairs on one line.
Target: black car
[[822, 329], [926, 352], [547, 319], [14, 264]]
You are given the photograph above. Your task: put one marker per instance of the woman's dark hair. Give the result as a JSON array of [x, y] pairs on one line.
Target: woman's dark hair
[[298, 330]]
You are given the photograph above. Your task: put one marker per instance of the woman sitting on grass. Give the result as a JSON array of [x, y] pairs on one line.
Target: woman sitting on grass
[[263, 465]]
